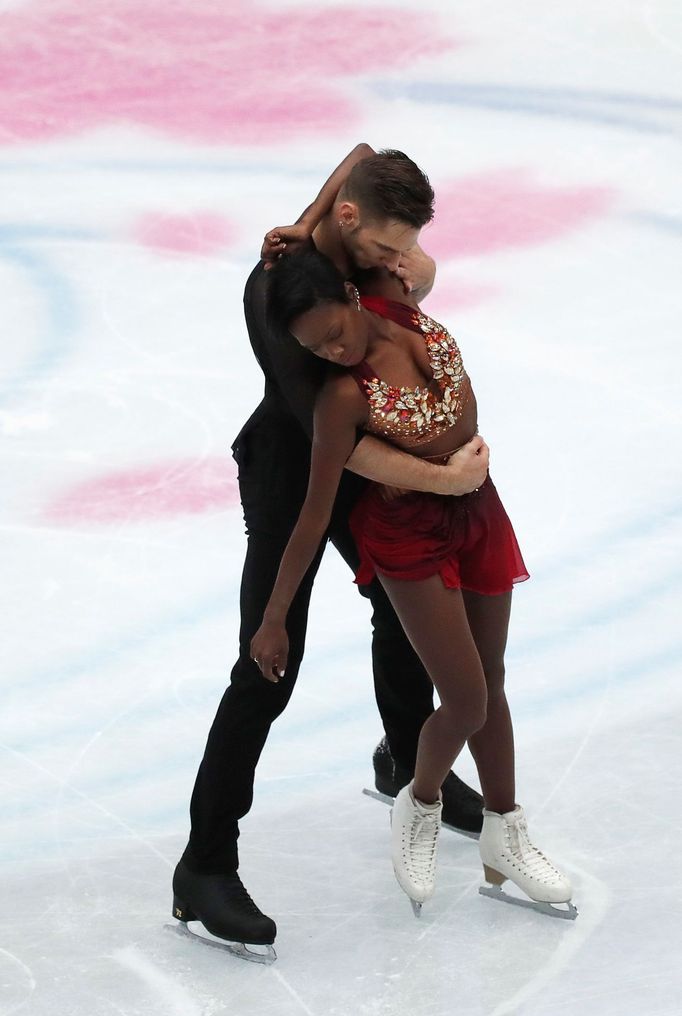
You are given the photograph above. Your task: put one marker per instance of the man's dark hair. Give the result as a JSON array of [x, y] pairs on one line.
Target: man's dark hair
[[298, 283], [390, 185]]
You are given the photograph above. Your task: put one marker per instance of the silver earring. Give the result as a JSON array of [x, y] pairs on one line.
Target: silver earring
[[357, 299]]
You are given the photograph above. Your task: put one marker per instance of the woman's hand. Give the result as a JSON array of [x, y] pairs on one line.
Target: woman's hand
[[270, 650], [284, 240], [292, 239]]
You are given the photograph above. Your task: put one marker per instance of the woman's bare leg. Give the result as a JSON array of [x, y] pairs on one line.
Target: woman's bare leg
[[435, 621], [493, 745]]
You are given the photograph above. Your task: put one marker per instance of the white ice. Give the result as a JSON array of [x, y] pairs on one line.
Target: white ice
[[119, 636]]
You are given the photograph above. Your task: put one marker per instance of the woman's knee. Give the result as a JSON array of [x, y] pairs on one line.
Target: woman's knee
[[466, 717]]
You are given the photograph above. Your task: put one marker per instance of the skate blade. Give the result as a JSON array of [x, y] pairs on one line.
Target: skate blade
[[386, 799], [240, 949], [415, 904], [550, 909]]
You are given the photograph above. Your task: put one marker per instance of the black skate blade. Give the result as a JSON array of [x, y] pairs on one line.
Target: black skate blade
[[243, 951], [549, 909], [387, 799]]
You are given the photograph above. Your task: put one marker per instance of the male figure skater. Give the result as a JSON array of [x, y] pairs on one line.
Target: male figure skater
[[368, 214]]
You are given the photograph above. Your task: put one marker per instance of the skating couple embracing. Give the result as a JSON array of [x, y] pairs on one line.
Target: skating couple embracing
[[367, 436]]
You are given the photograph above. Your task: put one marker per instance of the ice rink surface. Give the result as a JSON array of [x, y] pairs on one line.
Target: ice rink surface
[[145, 149]]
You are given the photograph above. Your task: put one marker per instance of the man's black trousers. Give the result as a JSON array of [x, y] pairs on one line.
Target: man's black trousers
[[274, 458]]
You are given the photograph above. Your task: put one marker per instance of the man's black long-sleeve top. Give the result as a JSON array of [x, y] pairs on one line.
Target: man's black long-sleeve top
[[292, 376]]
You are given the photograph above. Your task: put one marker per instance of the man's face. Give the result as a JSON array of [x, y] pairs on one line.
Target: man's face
[[376, 244]]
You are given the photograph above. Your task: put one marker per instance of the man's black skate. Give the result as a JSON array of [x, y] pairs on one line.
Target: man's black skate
[[226, 911], [462, 806]]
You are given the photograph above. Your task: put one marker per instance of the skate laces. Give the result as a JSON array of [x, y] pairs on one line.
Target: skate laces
[[423, 836], [533, 860], [241, 898]]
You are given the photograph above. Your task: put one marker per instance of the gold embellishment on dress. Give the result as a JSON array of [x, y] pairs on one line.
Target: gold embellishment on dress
[[417, 413]]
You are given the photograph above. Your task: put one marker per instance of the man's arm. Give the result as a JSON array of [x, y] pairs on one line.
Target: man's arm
[[384, 463], [290, 238]]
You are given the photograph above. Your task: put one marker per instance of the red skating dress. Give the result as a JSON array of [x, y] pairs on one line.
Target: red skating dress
[[467, 540]]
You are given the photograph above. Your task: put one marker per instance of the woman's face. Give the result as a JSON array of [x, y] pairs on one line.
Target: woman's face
[[333, 331]]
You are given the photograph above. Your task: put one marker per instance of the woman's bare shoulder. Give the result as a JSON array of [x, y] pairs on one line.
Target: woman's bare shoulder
[[340, 395], [340, 385]]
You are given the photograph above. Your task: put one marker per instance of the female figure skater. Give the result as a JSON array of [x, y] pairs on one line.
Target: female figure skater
[[448, 564]]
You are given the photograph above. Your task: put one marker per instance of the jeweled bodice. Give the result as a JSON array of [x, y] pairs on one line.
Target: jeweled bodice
[[415, 415]]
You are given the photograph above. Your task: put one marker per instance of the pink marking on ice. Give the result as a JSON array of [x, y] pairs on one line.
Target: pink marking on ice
[[497, 211], [202, 233], [209, 72], [152, 492]]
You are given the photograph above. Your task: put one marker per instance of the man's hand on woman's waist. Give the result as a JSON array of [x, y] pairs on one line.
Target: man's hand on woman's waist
[[384, 463], [467, 468]]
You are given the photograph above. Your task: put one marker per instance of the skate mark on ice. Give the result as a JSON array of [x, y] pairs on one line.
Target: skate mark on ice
[[660, 33], [292, 991], [65, 781], [594, 904], [15, 961], [444, 919], [424, 939], [596, 716], [62, 783], [131, 641], [162, 985]]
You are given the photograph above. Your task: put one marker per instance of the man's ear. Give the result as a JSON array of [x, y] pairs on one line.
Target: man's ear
[[349, 216]]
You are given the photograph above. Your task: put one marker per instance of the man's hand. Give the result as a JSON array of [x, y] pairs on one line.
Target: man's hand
[[284, 240], [466, 469], [416, 271]]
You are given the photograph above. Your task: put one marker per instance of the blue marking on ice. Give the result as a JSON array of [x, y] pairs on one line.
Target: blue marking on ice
[[573, 104], [59, 302]]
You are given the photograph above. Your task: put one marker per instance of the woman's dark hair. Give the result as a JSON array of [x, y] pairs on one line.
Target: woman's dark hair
[[299, 282], [390, 186]]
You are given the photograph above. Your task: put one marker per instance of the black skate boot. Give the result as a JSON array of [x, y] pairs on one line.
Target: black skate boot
[[226, 910], [462, 806]]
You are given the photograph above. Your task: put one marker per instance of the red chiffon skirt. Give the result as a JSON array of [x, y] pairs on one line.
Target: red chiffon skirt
[[467, 540]]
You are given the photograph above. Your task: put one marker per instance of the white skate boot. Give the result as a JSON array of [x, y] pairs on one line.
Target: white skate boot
[[414, 835], [507, 853]]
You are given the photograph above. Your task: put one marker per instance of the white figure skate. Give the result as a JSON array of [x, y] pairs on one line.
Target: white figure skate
[[414, 835], [507, 853]]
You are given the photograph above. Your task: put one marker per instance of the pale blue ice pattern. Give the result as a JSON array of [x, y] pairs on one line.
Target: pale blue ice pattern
[[119, 638]]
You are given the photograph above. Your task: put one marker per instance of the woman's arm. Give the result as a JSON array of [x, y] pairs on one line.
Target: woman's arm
[[337, 415], [289, 238]]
